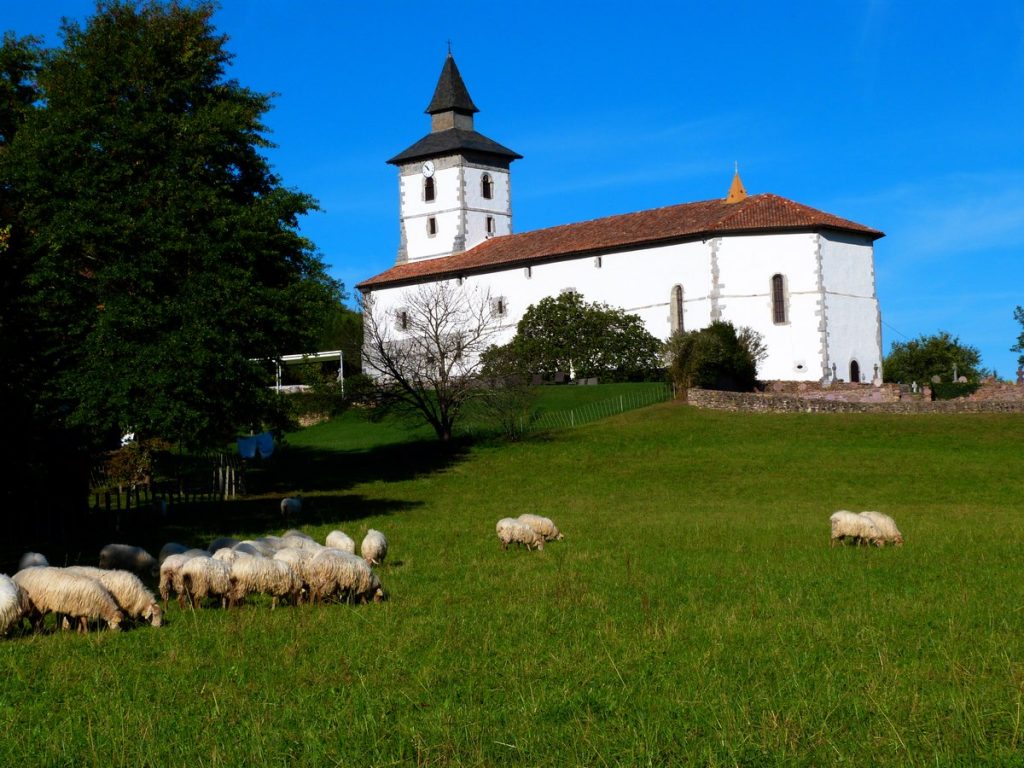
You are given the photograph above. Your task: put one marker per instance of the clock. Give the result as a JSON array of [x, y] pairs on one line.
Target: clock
[[428, 169]]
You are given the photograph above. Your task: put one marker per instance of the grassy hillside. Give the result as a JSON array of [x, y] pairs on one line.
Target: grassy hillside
[[694, 614]]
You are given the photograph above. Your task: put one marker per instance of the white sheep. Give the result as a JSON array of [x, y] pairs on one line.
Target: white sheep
[[203, 577], [170, 548], [221, 543], [170, 576], [542, 525], [374, 547], [32, 560], [126, 557], [296, 532], [886, 526], [333, 573], [291, 506], [256, 547], [512, 531], [340, 540], [252, 575], [14, 604], [850, 526], [55, 590], [229, 555], [299, 542], [131, 595], [298, 558]]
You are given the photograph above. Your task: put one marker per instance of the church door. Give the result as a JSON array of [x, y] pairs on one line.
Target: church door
[[854, 371]]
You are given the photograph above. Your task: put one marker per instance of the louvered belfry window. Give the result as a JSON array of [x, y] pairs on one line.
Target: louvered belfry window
[[778, 300]]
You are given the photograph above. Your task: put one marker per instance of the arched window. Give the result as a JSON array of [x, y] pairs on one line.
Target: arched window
[[428, 189], [487, 186], [778, 299], [676, 309], [854, 371]]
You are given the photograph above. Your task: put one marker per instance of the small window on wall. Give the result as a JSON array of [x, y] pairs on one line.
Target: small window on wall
[[490, 225], [402, 319], [528, 272], [676, 309], [499, 306], [598, 262], [431, 226], [487, 186], [428, 189], [779, 300]]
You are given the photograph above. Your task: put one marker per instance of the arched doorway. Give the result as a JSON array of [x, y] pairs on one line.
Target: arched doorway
[[854, 371]]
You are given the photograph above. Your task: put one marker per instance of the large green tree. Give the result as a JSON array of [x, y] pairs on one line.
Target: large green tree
[[564, 332], [926, 356], [165, 256]]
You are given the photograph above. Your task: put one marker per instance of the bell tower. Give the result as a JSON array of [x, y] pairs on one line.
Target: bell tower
[[454, 185]]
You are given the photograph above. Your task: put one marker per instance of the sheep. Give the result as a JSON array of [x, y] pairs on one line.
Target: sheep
[[14, 604], [255, 547], [300, 542], [131, 595], [332, 572], [170, 575], [886, 526], [32, 560], [340, 540], [294, 532], [265, 576], [298, 558], [126, 557], [374, 547], [221, 543], [168, 549], [291, 506], [59, 591], [847, 525], [542, 525], [229, 555], [203, 577], [512, 531]]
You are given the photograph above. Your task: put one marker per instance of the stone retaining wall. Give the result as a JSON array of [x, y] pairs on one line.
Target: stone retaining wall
[[792, 403]]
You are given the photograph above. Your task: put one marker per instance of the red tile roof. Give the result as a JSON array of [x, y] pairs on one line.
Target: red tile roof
[[765, 213]]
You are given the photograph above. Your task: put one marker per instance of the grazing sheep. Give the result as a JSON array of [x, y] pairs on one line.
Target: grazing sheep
[[298, 558], [340, 540], [229, 555], [291, 506], [203, 577], [170, 575], [32, 560], [170, 548], [333, 573], [886, 526], [14, 604], [257, 547], [848, 525], [512, 531], [261, 575], [126, 557], [299, 542], [55, 590], [221, 543], [294, 532], [544, 526], [131, 595], [374, 547]]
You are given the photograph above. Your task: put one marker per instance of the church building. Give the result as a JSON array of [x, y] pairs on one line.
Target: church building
[[801, 277]]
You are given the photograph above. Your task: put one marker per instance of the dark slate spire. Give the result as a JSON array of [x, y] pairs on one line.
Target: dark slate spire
[[451, 94]]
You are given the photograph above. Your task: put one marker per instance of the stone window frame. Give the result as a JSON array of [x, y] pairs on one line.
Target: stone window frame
[[676, 309], [490, 226], [431, 226], [429, 189], [402, 319], [499, 306], [487, 186]]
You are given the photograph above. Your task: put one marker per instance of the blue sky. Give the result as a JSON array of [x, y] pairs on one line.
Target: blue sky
[[907, 117]]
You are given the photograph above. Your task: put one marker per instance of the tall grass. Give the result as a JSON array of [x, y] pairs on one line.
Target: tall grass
[[695, 613]]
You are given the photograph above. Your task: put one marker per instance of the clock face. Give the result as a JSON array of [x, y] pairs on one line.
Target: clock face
[[428, 169]]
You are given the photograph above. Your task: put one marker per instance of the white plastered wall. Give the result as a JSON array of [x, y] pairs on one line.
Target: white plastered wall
[[445, 208], [851, 304]]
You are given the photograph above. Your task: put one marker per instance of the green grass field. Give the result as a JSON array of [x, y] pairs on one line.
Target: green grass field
[[694, 614]]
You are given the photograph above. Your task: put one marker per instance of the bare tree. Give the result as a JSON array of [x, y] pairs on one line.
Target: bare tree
[[425, 353]]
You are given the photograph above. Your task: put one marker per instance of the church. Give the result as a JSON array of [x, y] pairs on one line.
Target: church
[[804, 279]]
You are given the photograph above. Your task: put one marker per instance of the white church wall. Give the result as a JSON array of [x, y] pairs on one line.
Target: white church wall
[[445, 208], [854, 332], [746, 265]]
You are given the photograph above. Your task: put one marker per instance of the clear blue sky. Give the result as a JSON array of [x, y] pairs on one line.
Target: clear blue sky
[[905, 116]]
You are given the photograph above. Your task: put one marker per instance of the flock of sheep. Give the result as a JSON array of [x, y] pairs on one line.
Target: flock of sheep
[[290, 567]]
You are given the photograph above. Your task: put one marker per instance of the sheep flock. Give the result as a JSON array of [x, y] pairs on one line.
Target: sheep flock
[[292, 568]]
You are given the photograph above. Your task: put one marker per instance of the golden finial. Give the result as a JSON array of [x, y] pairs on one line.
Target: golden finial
[[736, 190]]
